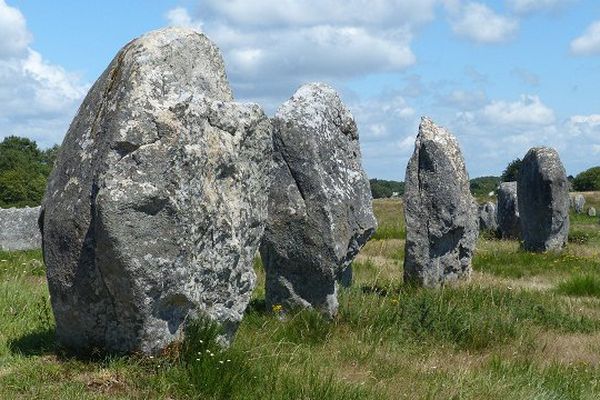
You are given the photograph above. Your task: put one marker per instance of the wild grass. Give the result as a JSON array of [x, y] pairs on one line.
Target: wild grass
[[520, 264], [478, 340], [390, 219], [581, 285]]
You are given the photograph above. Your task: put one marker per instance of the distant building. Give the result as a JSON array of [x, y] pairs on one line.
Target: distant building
[[395, 195]]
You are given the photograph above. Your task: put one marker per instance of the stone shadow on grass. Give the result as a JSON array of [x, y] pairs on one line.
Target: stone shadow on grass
[[34, 343], [258, 306]]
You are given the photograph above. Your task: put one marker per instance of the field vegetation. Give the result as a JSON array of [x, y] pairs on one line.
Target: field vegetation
[[526, 327]]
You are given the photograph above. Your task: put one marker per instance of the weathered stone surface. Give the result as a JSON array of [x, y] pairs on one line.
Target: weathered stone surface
[[320, 206], [592, 212], [577, 202], [543, 200], [509, 222], [19, 229], [158, 200], [488, 217], [441, 214]]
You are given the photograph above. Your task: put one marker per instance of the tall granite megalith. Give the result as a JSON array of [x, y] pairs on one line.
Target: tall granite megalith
[[441, 214], [158, 199], [543, 190], [320, 206]]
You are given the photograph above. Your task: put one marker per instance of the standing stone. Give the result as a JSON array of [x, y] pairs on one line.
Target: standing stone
[[543, 200], [441, 214], [488, 217], [19, 229], [320, 205], [577, 203], [509, 221], [158, 200], [592, 212]]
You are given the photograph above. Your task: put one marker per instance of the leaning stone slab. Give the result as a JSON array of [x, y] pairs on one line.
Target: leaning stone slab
[[441, 214], [320, 205], [509, 221], [488, 217], [543, 200], [19, 229], [158, 200]]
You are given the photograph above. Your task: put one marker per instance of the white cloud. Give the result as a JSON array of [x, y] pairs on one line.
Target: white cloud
[[273, 46], [587, 126], [38, 98], [528, 110], [589, 42], [179, 16], [478, 22], [532, 6], [14, 36], [382, 117], [387, 124], [296, 13], [525, 76], [463, 99], [503, 130]]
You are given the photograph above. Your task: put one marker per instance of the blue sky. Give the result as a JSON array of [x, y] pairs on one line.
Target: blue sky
[[503, 76]]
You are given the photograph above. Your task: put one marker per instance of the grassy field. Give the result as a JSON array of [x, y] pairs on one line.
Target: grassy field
[[526, 327]]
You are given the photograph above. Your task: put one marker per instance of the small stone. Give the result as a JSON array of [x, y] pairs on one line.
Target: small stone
[[488, 217], [592, 212], [509, 222], [577, 202], [320, 205], [441, 215], [543, 200], [19, 229]]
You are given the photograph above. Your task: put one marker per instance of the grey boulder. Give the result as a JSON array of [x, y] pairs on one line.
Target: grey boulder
[[592, 211], [320, 205], [509, 221], [488, 217], [577, 203], [441, 215], [543, 200], [158, 200], [19, 229]]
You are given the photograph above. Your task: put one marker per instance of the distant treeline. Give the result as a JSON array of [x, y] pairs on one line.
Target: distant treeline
[[586, 181], [382, 189], [24, 170]]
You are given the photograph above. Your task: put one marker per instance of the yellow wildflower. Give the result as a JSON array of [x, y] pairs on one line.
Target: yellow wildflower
[[277, 308]]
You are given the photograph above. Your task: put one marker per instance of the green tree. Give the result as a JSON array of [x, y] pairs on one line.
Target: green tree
[[482, 186], [511, 172], [24, 170], [383, 189], [588, 180]]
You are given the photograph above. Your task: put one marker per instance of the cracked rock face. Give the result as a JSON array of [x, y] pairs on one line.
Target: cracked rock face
[[441, 215], [320, 205], [543, 200], [158, 199], [509, 221], [19, 229], [488, 217]]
